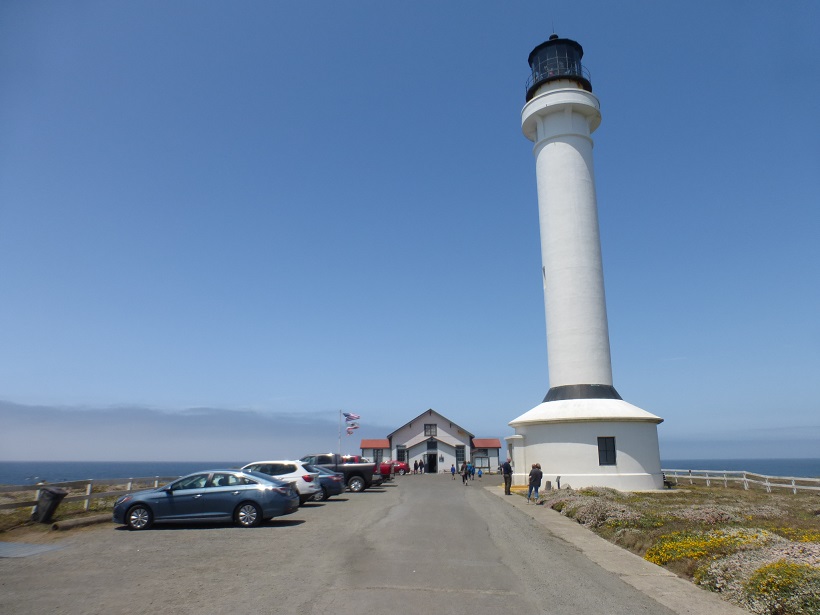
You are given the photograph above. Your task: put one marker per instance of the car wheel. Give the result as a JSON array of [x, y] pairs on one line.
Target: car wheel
[[139, 517], [321, 496], [356, 484], [248, 515], [401, 472]]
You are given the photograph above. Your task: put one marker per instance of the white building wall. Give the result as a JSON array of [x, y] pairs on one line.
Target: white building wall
[[376, 453], [448, 436], [570, 450]]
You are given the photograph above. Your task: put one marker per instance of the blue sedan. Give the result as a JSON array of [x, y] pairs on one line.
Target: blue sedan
[[246, 498], [332, 483]]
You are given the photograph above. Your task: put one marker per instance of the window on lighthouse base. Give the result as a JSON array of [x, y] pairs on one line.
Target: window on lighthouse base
[[606, 451]]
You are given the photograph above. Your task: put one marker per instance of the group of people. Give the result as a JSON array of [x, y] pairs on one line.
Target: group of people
[[536, 476], [468, 472]]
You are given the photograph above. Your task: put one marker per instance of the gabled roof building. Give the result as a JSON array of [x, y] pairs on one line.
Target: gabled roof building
[[436, 441]]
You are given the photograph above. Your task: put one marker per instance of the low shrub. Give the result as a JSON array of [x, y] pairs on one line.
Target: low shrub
[[784, 588], [698, 545]]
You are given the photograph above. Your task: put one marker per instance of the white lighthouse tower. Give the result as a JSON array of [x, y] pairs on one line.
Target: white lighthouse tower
[[583, 432]]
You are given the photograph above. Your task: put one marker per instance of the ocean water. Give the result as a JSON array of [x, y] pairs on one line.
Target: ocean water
[[806, 468], [32, 472]]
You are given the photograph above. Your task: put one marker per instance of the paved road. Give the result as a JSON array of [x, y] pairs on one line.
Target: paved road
[[423, 544]]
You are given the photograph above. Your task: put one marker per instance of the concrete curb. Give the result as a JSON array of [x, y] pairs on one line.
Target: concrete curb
[[656, 582]]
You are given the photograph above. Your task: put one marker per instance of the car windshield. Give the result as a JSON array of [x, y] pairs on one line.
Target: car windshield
[[266, 478]]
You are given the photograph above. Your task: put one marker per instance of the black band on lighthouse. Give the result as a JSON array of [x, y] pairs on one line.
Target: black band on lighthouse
[[582, 391]]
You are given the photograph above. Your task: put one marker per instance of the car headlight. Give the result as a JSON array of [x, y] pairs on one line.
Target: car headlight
[[122, 500]]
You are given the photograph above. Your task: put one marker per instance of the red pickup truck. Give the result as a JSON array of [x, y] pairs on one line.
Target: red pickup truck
[[394, 467]]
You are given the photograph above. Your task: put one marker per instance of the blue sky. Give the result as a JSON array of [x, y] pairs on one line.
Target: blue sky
[[256, 214]]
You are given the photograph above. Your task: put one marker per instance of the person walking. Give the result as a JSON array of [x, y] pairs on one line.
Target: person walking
[[465, 472], [535, 482], [506, 470], [480, 473], [416, 466], [453, 471]]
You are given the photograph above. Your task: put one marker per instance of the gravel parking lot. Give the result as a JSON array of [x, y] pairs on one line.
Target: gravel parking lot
[[422, 544]]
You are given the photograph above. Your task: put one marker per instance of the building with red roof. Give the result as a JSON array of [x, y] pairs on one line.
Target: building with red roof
[[437, 442]]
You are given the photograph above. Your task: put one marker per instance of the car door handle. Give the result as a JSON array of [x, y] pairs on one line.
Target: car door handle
[[234, 493], [198, 495]]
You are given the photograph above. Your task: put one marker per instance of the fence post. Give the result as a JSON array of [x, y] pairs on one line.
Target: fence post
[[88, 494], [690, 477], [725, 481], [36, 497], [794, 488], [745, 482]]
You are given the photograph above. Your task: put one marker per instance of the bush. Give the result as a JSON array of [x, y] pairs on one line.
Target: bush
[[698, 545], [784, 588]]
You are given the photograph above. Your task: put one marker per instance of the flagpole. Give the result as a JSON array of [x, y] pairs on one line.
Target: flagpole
[[340, 434]]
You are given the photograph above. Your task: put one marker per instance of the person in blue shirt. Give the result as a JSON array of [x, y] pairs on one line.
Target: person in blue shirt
[[453, 471]]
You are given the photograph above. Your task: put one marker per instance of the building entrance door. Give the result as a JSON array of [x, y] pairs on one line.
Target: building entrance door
[[432, 463]]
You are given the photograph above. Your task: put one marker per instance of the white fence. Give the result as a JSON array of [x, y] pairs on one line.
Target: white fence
[[748, 479], [86, 489]]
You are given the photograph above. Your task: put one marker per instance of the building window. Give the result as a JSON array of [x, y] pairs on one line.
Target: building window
[[459, 456], [606, 451], [401, 453], [430, 430], [378, 454], [432, 444]]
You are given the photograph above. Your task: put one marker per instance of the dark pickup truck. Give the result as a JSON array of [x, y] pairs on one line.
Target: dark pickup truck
[[358, 476]]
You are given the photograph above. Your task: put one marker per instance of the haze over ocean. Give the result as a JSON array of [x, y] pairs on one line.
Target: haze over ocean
[[32, 472]]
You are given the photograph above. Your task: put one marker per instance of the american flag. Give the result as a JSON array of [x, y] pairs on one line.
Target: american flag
[[351, 428], [349, 416]]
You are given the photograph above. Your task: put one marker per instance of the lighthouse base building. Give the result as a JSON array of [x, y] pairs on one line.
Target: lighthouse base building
[[588, 442]]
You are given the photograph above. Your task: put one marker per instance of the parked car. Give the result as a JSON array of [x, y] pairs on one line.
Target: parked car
[[246, 498], [358, 476], [306, 481], [386, 470], [332, 483], [398, 467]]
